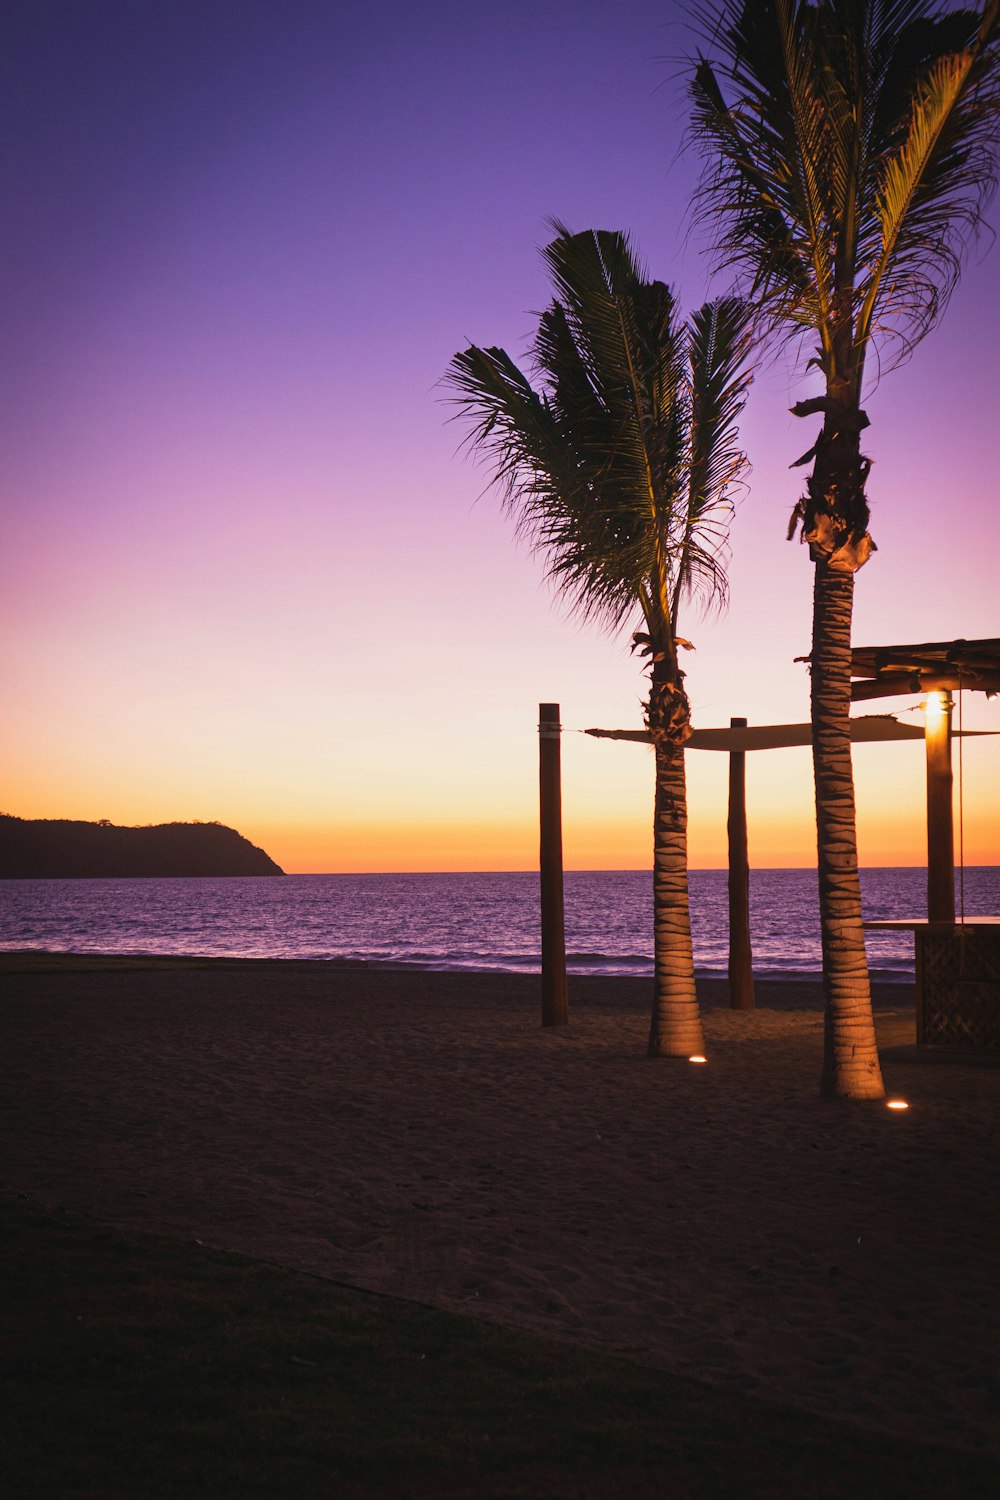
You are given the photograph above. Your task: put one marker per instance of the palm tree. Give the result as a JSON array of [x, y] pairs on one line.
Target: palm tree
[[620, 467], [849, 148]]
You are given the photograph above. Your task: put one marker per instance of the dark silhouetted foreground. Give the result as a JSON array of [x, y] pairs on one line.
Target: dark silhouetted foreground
[[420, 1135], [150, 1367]]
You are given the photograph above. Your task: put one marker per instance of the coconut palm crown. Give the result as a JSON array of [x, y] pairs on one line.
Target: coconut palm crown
[[850, 147], [618, 458]]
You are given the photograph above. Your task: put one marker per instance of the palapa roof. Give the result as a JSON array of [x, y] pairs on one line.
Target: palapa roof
[[883, 671]]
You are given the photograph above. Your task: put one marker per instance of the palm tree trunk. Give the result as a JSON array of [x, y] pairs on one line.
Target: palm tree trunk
[[675, 1029], [850, 1057]]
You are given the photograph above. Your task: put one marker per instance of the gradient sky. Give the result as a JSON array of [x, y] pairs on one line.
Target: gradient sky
[[247, 575]]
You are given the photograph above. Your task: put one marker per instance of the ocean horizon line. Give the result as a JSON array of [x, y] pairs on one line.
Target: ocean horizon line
[[603, 870], [531, 870]]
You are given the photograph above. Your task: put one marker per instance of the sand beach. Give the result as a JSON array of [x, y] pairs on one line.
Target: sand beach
[[420, 1134]]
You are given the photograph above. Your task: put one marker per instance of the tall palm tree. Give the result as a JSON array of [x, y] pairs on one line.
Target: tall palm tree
[[620, 467], [849, 147]]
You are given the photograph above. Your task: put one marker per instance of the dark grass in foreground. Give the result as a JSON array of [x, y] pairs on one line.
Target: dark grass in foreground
[[143, 1367]]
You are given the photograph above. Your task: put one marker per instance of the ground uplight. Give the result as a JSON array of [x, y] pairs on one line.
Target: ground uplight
[[896, 1104], [697, 1058]]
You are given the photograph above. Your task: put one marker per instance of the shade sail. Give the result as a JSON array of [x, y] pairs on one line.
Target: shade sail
[[868, 728]]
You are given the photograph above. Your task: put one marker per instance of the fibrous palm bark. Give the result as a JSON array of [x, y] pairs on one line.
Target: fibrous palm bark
[[675, 1027], [850, 1054], [835, 515]]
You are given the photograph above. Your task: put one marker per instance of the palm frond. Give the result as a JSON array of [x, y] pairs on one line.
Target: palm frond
[[627, 334], [719, 378], [849, 147], [618, 464], [748, 119], [936, 174], [546, 483]]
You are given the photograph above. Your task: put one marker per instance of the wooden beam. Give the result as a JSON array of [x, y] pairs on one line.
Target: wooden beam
[[555, 1004], [895, 684], [741, 996], [967, 657], [940, 831]]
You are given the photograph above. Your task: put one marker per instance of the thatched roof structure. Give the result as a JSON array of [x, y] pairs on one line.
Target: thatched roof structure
[[934, 666]]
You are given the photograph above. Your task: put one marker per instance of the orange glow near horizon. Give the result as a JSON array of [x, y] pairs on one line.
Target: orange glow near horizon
[[885, 838], [607, 811]]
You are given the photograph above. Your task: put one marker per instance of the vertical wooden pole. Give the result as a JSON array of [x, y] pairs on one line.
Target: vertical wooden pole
[[741, 996], [555, 1006], [940, 831]]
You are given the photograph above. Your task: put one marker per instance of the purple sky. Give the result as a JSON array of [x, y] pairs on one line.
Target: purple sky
[[243, 572]]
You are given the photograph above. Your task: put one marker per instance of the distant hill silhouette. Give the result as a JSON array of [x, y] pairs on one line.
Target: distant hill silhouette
[[55, 848]]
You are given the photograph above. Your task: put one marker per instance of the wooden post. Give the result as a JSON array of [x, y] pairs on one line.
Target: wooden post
[[940, 831], [555, 1006], [741, 996]]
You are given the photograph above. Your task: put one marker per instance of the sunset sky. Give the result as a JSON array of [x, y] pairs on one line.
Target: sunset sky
[[246, 574]]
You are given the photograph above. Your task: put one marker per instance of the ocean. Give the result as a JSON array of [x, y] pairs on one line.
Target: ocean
[[483, 921]]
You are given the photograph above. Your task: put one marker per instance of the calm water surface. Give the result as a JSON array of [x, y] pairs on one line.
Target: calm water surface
[[455, 921]]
